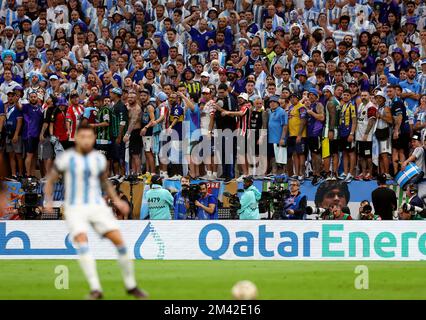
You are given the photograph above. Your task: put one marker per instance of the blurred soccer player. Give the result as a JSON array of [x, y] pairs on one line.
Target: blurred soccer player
[[84, 171]]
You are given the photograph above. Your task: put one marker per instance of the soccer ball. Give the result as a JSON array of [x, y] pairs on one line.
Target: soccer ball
[[244, 290]]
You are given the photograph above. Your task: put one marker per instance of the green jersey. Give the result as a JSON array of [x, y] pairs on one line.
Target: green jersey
[[159, 203], [334, 102], [103, 133]]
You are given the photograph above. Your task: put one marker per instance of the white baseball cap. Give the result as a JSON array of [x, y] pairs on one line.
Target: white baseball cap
[[244, 96], [206, 90], [205, 74], [329, 88], [380, 94]]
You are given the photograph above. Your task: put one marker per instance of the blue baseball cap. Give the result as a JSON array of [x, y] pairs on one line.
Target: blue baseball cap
[[301, 73], [158, 34], [117, 91], [274, 99], [313, 91], [61, 102], [356, 69], [397, 50], [161, 96]]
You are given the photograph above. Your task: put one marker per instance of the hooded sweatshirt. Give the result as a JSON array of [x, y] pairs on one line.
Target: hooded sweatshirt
[[249, 204]]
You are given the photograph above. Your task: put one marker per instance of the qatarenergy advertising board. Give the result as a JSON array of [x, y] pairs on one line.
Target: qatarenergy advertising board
[[227, 240]]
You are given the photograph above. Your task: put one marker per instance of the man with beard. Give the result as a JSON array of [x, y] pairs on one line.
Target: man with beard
[[411, 91], [33, 117], [133, 131], [176, 117]]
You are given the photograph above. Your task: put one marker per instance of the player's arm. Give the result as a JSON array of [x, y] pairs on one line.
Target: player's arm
[[109, 189]]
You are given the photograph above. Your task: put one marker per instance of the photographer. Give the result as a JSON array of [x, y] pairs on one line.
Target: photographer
[[366, 211], [206, 204], [249, 201], [339, 213], [412, 195], [295, 203], [159, 200], [181, 200]]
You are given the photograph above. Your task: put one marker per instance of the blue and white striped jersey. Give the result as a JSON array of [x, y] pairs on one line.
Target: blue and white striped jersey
[[82, 176]]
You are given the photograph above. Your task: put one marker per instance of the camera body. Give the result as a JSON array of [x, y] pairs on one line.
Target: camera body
[[28, 206], [275, 198], [234, 203], [366, 212], [192, 193]]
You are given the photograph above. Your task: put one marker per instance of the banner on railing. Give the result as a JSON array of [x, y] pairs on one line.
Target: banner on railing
[[228, 240]]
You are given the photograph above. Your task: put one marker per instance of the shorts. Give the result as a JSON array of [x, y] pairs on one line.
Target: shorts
[[135, 142], [364, 149], [403, 142], [99, 216], [31, 145], [190, 146], [345, 145], [105, 149], [329, 148], [118, 151], [45, 150], [293, 147], [14, 147], [385, 146], [314, 144], [148, 143]]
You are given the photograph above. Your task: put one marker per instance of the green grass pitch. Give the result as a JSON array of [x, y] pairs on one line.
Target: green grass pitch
[[35, 279]]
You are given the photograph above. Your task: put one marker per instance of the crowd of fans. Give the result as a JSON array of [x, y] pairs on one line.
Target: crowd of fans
[[327, 89]]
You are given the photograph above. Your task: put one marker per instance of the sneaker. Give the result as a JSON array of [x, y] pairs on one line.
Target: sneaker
[[175, 177], [342, 176], [241, 178], [315, 180], [359, 177], [348, 178], [368, 177], [294, 177], [138, 293], [301, 179], [95, 295], [205, 177]]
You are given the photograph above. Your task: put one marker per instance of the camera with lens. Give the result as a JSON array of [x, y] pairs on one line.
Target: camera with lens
[[192, 193], [28, 206], [366, 212], [274, 199], [315, 213], [411, 209], [234, 203]]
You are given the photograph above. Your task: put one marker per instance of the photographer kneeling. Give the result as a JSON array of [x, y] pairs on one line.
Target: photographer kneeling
[[366, 211], [206, 204], [181, 203], [295, 203], [249, 201]]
